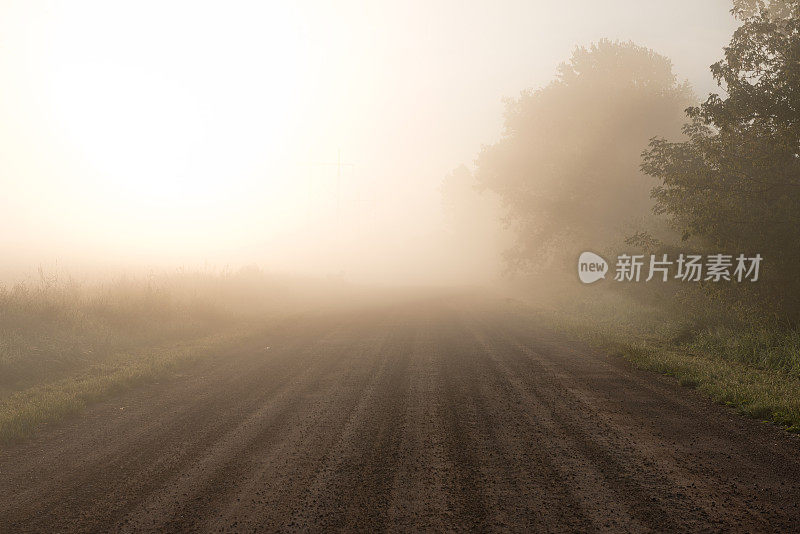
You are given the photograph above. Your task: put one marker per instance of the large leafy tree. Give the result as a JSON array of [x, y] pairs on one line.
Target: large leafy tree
[[567, 165], [735, 181]]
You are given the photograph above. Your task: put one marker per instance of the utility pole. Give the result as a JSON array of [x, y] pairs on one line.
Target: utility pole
[[338, 180], [338, 225], [338, 163]]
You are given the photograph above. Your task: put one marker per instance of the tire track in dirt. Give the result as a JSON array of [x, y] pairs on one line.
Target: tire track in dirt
[[666, 465], [440, 414]]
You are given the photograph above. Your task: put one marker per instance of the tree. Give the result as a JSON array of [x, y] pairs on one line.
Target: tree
[[567, 164], [735, 182], [774, 8]]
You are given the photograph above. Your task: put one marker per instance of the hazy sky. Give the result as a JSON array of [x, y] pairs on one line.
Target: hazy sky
[[182, 132]]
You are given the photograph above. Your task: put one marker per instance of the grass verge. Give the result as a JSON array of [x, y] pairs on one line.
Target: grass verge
[[751, 366], [65, 344], [22, 412]]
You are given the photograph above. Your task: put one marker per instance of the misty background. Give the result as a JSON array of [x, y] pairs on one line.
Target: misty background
[[161, 135]]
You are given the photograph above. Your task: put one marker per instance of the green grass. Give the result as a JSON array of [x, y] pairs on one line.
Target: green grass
[[23, 412], [735, 356], [52, 330], [64, 345], [765, 394]]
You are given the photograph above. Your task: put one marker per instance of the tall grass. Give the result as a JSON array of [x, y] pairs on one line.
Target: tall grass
[[64, 344], [51, 328]]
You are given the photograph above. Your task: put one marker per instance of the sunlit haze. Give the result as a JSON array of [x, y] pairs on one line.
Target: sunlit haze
[[163, 134]]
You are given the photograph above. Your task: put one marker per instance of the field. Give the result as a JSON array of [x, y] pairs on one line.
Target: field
[[64, 345]]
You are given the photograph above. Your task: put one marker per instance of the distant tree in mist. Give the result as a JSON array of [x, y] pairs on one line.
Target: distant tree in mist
[[567, 165], [735, 182]]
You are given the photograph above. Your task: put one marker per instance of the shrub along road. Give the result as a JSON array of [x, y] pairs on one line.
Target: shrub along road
[[433, 414]]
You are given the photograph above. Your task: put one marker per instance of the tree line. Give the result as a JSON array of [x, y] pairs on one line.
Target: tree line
[[616, 154]]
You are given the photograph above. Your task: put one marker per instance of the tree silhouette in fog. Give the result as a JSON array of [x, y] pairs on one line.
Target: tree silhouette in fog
[[567, 164]]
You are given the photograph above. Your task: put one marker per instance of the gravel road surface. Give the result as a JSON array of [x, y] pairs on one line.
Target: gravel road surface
[[436, 414]]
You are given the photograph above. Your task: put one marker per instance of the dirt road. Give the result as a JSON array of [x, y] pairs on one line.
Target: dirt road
[[441, 414]]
